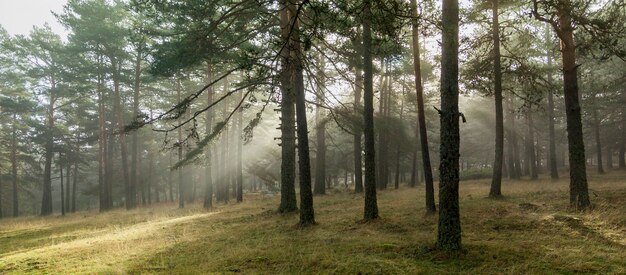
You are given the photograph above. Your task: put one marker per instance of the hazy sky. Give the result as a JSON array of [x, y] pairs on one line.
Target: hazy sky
[[19, 16]]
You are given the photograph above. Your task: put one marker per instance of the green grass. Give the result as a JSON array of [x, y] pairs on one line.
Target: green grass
[[530, 230]]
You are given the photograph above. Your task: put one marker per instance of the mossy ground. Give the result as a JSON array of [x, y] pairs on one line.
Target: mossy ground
[[530, 230]]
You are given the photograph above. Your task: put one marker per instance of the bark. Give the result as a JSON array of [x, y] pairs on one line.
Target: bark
[[496, 180], [307, 215], [181, 183], [381, 181], [208, 176], [449, 229], [579, 193], [320, 135], [421, 116], [239, 165], [46, 202], [288, 139], [358, 131], [371, 205]]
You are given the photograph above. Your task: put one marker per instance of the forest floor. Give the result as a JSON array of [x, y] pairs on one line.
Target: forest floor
[[530, 230]]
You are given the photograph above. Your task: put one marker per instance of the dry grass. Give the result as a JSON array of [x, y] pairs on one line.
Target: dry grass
[[530, 230]]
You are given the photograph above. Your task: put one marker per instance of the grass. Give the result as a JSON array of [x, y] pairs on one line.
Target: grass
[[529, 230]]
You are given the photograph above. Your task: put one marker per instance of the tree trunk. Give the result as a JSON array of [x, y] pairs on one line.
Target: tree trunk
[[609, 158], [381, 182], [134, 169], [596, 131], [531, 148], [510, 143], [307, 215], [371, 206], [62, 190], [119, 111], [515, 144], [170, 179], [622, 143], [46, 202], [181, 183], [74, 186], [421, 116], [554, 172], [320, 134], [496, 180], [208, 123], [449, 229], [102, 145], [13, 169], [579, 193], [67, 183], [239, 141], [413, 180], [288, 140], [358, 129]]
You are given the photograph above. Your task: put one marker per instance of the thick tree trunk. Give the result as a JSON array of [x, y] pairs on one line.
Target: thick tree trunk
[[496, 179], [371, 205], [307, 215], [288, 139], [320, 135], [579, 193], [208, 123], [449, 229]]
